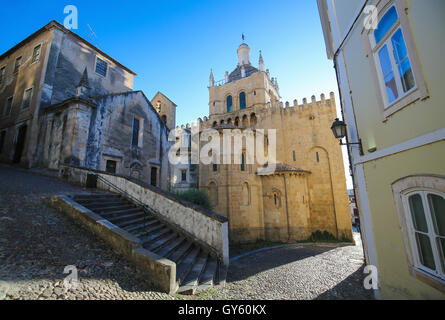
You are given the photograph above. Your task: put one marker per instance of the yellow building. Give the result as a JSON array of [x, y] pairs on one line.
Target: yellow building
[[307, 191], [388, 58]]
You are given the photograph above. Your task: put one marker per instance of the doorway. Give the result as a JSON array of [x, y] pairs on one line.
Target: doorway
[[20, 146]]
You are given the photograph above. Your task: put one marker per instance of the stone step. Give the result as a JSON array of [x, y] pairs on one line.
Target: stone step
[[153, 228], [127, 216], [120, 212], [160, 242], [110, 207], [208, 276], [97, 198], [155, 235], [186, 263], [180, 252], [131, 222], [140, 229], [191, 280], [170, 247]]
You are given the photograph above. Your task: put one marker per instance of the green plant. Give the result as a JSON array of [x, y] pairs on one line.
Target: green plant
[[194, 196], [318, 236]]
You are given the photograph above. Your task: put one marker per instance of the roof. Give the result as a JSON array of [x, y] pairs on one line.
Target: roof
[[160, 93], [236, 74], [61, 27]]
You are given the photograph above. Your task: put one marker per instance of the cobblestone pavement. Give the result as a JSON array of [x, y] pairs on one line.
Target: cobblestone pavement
[[37, 243], [297, 273]]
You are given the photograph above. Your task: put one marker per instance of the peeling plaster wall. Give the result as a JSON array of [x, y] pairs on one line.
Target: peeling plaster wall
[[73, 57], [111, 135]]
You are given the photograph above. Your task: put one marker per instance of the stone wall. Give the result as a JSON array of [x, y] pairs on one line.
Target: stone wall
[[208, 228]]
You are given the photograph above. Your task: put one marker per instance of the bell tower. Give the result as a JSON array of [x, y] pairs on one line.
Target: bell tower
[[244, 88]]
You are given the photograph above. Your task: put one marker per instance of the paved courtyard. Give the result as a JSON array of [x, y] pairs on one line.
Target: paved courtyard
[[37, 243]]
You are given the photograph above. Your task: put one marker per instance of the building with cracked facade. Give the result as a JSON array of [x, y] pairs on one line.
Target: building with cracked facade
[[64, 101]]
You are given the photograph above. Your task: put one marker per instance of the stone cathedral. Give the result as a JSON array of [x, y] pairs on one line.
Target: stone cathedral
[[306, 193]]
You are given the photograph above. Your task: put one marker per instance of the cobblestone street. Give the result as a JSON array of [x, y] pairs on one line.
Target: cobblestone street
[[37, 243]]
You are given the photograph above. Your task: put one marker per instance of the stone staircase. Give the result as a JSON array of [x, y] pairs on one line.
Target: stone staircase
[[196, 268]]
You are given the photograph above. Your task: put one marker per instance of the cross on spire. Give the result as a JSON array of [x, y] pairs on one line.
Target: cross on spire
[[244, 38]]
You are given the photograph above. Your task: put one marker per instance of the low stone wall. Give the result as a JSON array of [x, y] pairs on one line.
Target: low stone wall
[[204, 226], [161, 272]]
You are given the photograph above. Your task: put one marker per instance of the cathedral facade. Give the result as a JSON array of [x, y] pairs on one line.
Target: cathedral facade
[[307, 190]]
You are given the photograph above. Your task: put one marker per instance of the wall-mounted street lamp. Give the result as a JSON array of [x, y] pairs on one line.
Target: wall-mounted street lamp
[[339, 130]]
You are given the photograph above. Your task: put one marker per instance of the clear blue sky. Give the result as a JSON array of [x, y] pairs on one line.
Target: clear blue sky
[[172, 45]]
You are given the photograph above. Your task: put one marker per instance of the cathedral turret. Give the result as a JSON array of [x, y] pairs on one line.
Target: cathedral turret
[[261, 63], [243, 54], [212, 79]]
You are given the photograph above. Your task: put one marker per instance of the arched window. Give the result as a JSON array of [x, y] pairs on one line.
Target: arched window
[[243, 161], [229, 101], [253, 119], [237, 121], [215, 124], [229, 121], [242, 100], [164, 118], [245, 121], [245, 194]]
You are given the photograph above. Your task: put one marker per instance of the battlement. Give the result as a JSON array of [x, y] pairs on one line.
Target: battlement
[[269, 109]]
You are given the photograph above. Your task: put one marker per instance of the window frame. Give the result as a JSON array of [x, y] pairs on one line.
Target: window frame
[[40, 54], [420, 90], [30, 98], [184, 171], [18, 67], [95, 67], [2, 73], [140, 132], [3, 134], [423, 192], [10, 110], [227, 103], [434, 184]]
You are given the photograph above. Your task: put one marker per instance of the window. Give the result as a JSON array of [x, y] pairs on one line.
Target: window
[[317, 157], [394, 60], [2, 140], [101, 67], [242, 100], [215, 167], [426, 221], [36, 53], [8, 106], [420, 204], [294, 156], [111, 166], [27, 98], [18, 62], [164, 119], [395, 65], [2, 73], [243, 162], [136, 128], [229, 101], [154, 177], [184, 175]]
